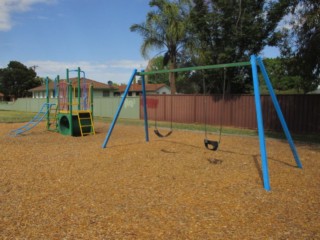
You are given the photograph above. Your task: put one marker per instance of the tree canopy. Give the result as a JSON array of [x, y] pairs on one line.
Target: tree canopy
[[231, 31], [156, 64], [17, 79], [206, 32], [165, 29], [300, 43]]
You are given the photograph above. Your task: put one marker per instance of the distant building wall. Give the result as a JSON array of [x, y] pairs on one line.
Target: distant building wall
[[164, 90]]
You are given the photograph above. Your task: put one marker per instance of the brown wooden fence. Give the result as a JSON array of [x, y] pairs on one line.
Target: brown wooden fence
[[301, 112]]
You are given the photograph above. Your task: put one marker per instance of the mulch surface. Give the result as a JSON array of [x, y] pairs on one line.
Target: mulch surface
[[60, 187]]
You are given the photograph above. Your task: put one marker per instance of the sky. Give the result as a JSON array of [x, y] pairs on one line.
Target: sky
[[53, 35]]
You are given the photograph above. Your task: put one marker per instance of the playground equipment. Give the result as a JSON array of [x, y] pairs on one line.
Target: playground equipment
[[156, 130], [212, 144], [44, 111], [74, 110], [72, 115], [254, 63]]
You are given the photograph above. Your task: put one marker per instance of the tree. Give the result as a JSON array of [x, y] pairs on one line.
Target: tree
[[281, 75], [231, 31], [156, 64], [300, 43], [165, 28], [17, 79]]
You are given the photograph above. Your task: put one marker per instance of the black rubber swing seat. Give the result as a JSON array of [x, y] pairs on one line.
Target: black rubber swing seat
[[156, 131], [211, 145]]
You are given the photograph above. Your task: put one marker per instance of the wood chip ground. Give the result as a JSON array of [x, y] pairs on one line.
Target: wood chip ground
[[60, 187]]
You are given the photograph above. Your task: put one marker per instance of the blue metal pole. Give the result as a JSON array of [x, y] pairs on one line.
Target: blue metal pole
[[279, 112], [145, 113], [115, 118], [263, 152]]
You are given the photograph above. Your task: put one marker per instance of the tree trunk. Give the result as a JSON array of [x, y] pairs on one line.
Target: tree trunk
[[172, 76]]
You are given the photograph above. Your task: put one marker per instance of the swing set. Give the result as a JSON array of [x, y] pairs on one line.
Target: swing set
[[212, 144], [255, 62], [209, 144], [156, 130]]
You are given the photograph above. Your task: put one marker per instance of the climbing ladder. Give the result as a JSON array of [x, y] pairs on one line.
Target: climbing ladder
[[45, 109], [85, 123], [53, 119]]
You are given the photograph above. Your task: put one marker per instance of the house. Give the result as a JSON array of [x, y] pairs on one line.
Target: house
[[1, 97], [136, 89], [99, 89]]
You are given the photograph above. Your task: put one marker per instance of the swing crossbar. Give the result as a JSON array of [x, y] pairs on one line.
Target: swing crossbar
[[226, 65]]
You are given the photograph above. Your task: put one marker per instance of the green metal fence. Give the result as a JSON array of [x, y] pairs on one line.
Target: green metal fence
[[103, 107]]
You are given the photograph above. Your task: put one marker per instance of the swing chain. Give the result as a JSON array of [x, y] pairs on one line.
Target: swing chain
[[210, 144], [156, 131]]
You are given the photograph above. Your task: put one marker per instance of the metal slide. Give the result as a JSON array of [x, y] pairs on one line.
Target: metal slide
[[45, 109]]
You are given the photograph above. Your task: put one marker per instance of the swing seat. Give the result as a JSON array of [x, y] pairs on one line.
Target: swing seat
[[211, 145], [156, 131]]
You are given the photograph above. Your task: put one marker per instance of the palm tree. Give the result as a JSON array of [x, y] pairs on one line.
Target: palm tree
[[165, 29]]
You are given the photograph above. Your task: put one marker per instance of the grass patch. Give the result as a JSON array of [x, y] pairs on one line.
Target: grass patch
[[15, 116], [18, 117], [308, 138]]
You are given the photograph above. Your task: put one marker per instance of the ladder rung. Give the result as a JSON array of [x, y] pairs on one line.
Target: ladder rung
[[83, 126]]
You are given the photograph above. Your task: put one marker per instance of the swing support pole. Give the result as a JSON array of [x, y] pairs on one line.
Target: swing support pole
[[279, 112], [115, 118], [263, 152]]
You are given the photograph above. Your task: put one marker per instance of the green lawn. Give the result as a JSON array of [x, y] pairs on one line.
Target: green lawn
[[310, 138], [15, 117]]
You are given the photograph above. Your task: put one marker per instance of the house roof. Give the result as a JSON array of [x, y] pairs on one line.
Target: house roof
[[96, 85], [138, 87]]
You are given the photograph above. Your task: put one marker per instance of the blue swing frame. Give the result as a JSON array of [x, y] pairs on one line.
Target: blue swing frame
[[255, 62]]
